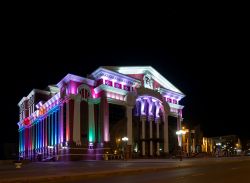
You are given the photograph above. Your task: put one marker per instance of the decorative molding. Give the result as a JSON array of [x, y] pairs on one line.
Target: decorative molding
[[110, 89], [145, 91], [71, 77], [100, 72], [21, 101], [148, 81], [34, 91], [169, 93], [176, 106], [115, 101]]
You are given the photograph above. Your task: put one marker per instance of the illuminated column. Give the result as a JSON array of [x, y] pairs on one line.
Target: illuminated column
[[43, 136], [129, 125], [179, 128], [166, 148], [129, 130], [151, 118], [46, 135], [38, 135], [188, 136], [91, 123], [32, 140], [67, 121], [35, 135], [19, 144], [49, 129], [105, 118], [55, 130], [76, 124], [143, 119], [193, 142], [61, 123], [157, 120], [28, 136], [52, 129]]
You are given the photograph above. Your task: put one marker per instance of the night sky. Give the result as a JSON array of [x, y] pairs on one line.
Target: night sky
[[202, 52]]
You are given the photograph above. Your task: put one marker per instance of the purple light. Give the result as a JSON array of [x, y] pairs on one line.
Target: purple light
[[142, 107]]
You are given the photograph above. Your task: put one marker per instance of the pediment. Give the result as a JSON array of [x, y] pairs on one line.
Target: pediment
[[147, 75]]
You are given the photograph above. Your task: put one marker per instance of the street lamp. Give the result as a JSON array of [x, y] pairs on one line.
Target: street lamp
[[125, 140]]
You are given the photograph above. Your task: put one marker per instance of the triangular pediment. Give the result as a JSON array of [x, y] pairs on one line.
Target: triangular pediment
[[147, 75]]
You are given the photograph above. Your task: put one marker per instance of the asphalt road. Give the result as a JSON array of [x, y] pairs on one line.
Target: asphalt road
[[219, 172], [232, 169]]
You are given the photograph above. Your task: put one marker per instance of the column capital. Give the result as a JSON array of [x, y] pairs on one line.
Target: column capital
[[130, 106], [143, 117], [158, 120], [151, 118]]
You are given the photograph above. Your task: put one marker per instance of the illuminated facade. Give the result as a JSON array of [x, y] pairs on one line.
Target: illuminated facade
[[77, 118]]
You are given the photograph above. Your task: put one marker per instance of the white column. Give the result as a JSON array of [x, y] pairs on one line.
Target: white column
[[166, 148], [143, 119], [67, 122], [129, 125], [157, 120], [76, 123], [91, 137], [179, 128], [151, 118]]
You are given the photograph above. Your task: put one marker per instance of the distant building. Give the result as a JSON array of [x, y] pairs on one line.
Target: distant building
[[114, 109], [191, 139], [223, 145]]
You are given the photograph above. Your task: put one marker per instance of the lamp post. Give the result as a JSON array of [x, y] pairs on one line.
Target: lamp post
[[125, 140], [180, 133]]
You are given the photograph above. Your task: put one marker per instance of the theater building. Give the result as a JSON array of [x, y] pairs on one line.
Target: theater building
[[134, 111]]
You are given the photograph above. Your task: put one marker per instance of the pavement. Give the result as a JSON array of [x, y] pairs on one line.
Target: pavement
[[68, 171]]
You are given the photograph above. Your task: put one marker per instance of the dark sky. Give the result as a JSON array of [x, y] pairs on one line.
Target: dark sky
[[202, 52]]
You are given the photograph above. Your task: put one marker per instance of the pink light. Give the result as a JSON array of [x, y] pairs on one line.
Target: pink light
[[73, 87], [117, 97], [72, 90], [108, 94]]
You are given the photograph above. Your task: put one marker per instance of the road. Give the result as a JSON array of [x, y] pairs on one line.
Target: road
[[220, 172], [201, 170]]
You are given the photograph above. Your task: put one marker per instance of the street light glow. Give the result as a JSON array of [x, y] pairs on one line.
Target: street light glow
[[124, 138], [180, 132]]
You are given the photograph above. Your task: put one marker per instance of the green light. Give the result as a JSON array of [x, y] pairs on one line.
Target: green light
[[91, 123]]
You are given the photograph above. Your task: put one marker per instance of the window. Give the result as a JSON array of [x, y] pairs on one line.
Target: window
[[107, 82], [169, 100], [127, 88], [118, 85]]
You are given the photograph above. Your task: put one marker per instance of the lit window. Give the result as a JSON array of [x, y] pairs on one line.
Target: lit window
[[107, 82], [118, 85], [127, 88], [169, 100]]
